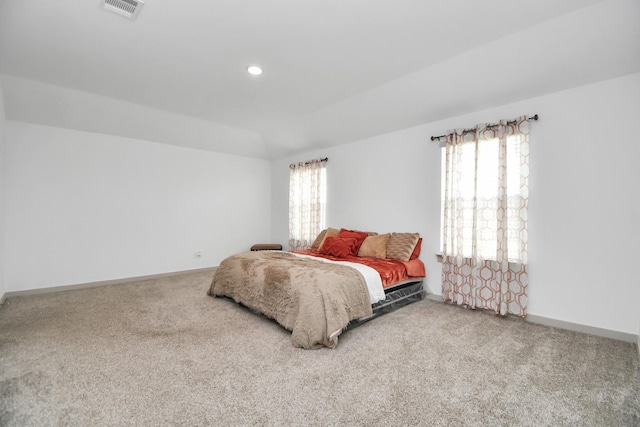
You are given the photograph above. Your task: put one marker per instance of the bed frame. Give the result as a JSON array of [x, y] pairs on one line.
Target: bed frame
[[397, 296]]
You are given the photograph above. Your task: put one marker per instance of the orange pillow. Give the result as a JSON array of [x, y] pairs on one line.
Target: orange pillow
[[358, 235], [416, 251], [340, 247], [329, 232]]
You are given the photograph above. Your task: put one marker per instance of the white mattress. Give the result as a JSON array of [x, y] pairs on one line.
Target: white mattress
[[371, 276]]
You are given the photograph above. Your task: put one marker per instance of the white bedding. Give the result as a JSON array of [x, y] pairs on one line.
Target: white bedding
[[371, 276]]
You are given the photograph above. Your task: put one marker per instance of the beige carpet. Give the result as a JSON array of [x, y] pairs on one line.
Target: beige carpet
[[162, 352]]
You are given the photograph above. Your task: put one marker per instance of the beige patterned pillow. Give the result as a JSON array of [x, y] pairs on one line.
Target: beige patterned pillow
[[331, 232], [319, 239], [400, 245], [375, 246]]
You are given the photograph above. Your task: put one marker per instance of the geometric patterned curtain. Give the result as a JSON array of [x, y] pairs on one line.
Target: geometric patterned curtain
[[307, 202], [486, 190]]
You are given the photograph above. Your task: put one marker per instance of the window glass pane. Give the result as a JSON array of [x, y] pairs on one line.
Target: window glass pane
[[307, 204], [475, 198]]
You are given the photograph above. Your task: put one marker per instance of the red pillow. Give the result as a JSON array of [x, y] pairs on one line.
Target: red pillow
[[358, 235], [339, 247], [416, 250]]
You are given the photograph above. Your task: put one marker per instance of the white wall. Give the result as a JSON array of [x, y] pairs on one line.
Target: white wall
[[2, 191], [584, 216], [84, 207]]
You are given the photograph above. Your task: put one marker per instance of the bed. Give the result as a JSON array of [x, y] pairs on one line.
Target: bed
[[345, 279]]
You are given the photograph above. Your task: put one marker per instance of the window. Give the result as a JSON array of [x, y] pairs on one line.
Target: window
[[307, 202], [484, 217], [475, 208]]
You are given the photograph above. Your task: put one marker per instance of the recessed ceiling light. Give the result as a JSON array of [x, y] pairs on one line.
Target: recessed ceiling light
[[254, 69]]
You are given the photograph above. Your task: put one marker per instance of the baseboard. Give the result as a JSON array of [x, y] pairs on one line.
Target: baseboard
[[3, 298], [576, 327], [601, 332], [434, 297], [98, 284]]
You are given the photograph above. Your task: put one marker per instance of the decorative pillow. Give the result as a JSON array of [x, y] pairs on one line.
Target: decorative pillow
[[416, 250], [358, 235], [319, 239], [340, 247], [331, 232], [375, 246], [401, 245]]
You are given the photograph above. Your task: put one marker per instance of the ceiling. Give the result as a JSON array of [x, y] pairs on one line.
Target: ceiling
[[334, 70]]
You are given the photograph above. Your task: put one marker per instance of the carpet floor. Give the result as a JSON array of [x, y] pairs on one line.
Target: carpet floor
[[162, 352]]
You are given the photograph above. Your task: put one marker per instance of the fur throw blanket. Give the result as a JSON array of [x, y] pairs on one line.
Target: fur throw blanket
[[313, 299]]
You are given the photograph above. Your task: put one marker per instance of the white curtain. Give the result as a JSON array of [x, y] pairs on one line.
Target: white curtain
[[485, 217], [307, 203]]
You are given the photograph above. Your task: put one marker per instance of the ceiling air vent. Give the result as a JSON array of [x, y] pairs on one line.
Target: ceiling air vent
[[128, 8]]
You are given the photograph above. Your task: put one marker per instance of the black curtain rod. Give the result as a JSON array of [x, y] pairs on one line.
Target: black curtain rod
[[293, 165], [437, 138]]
